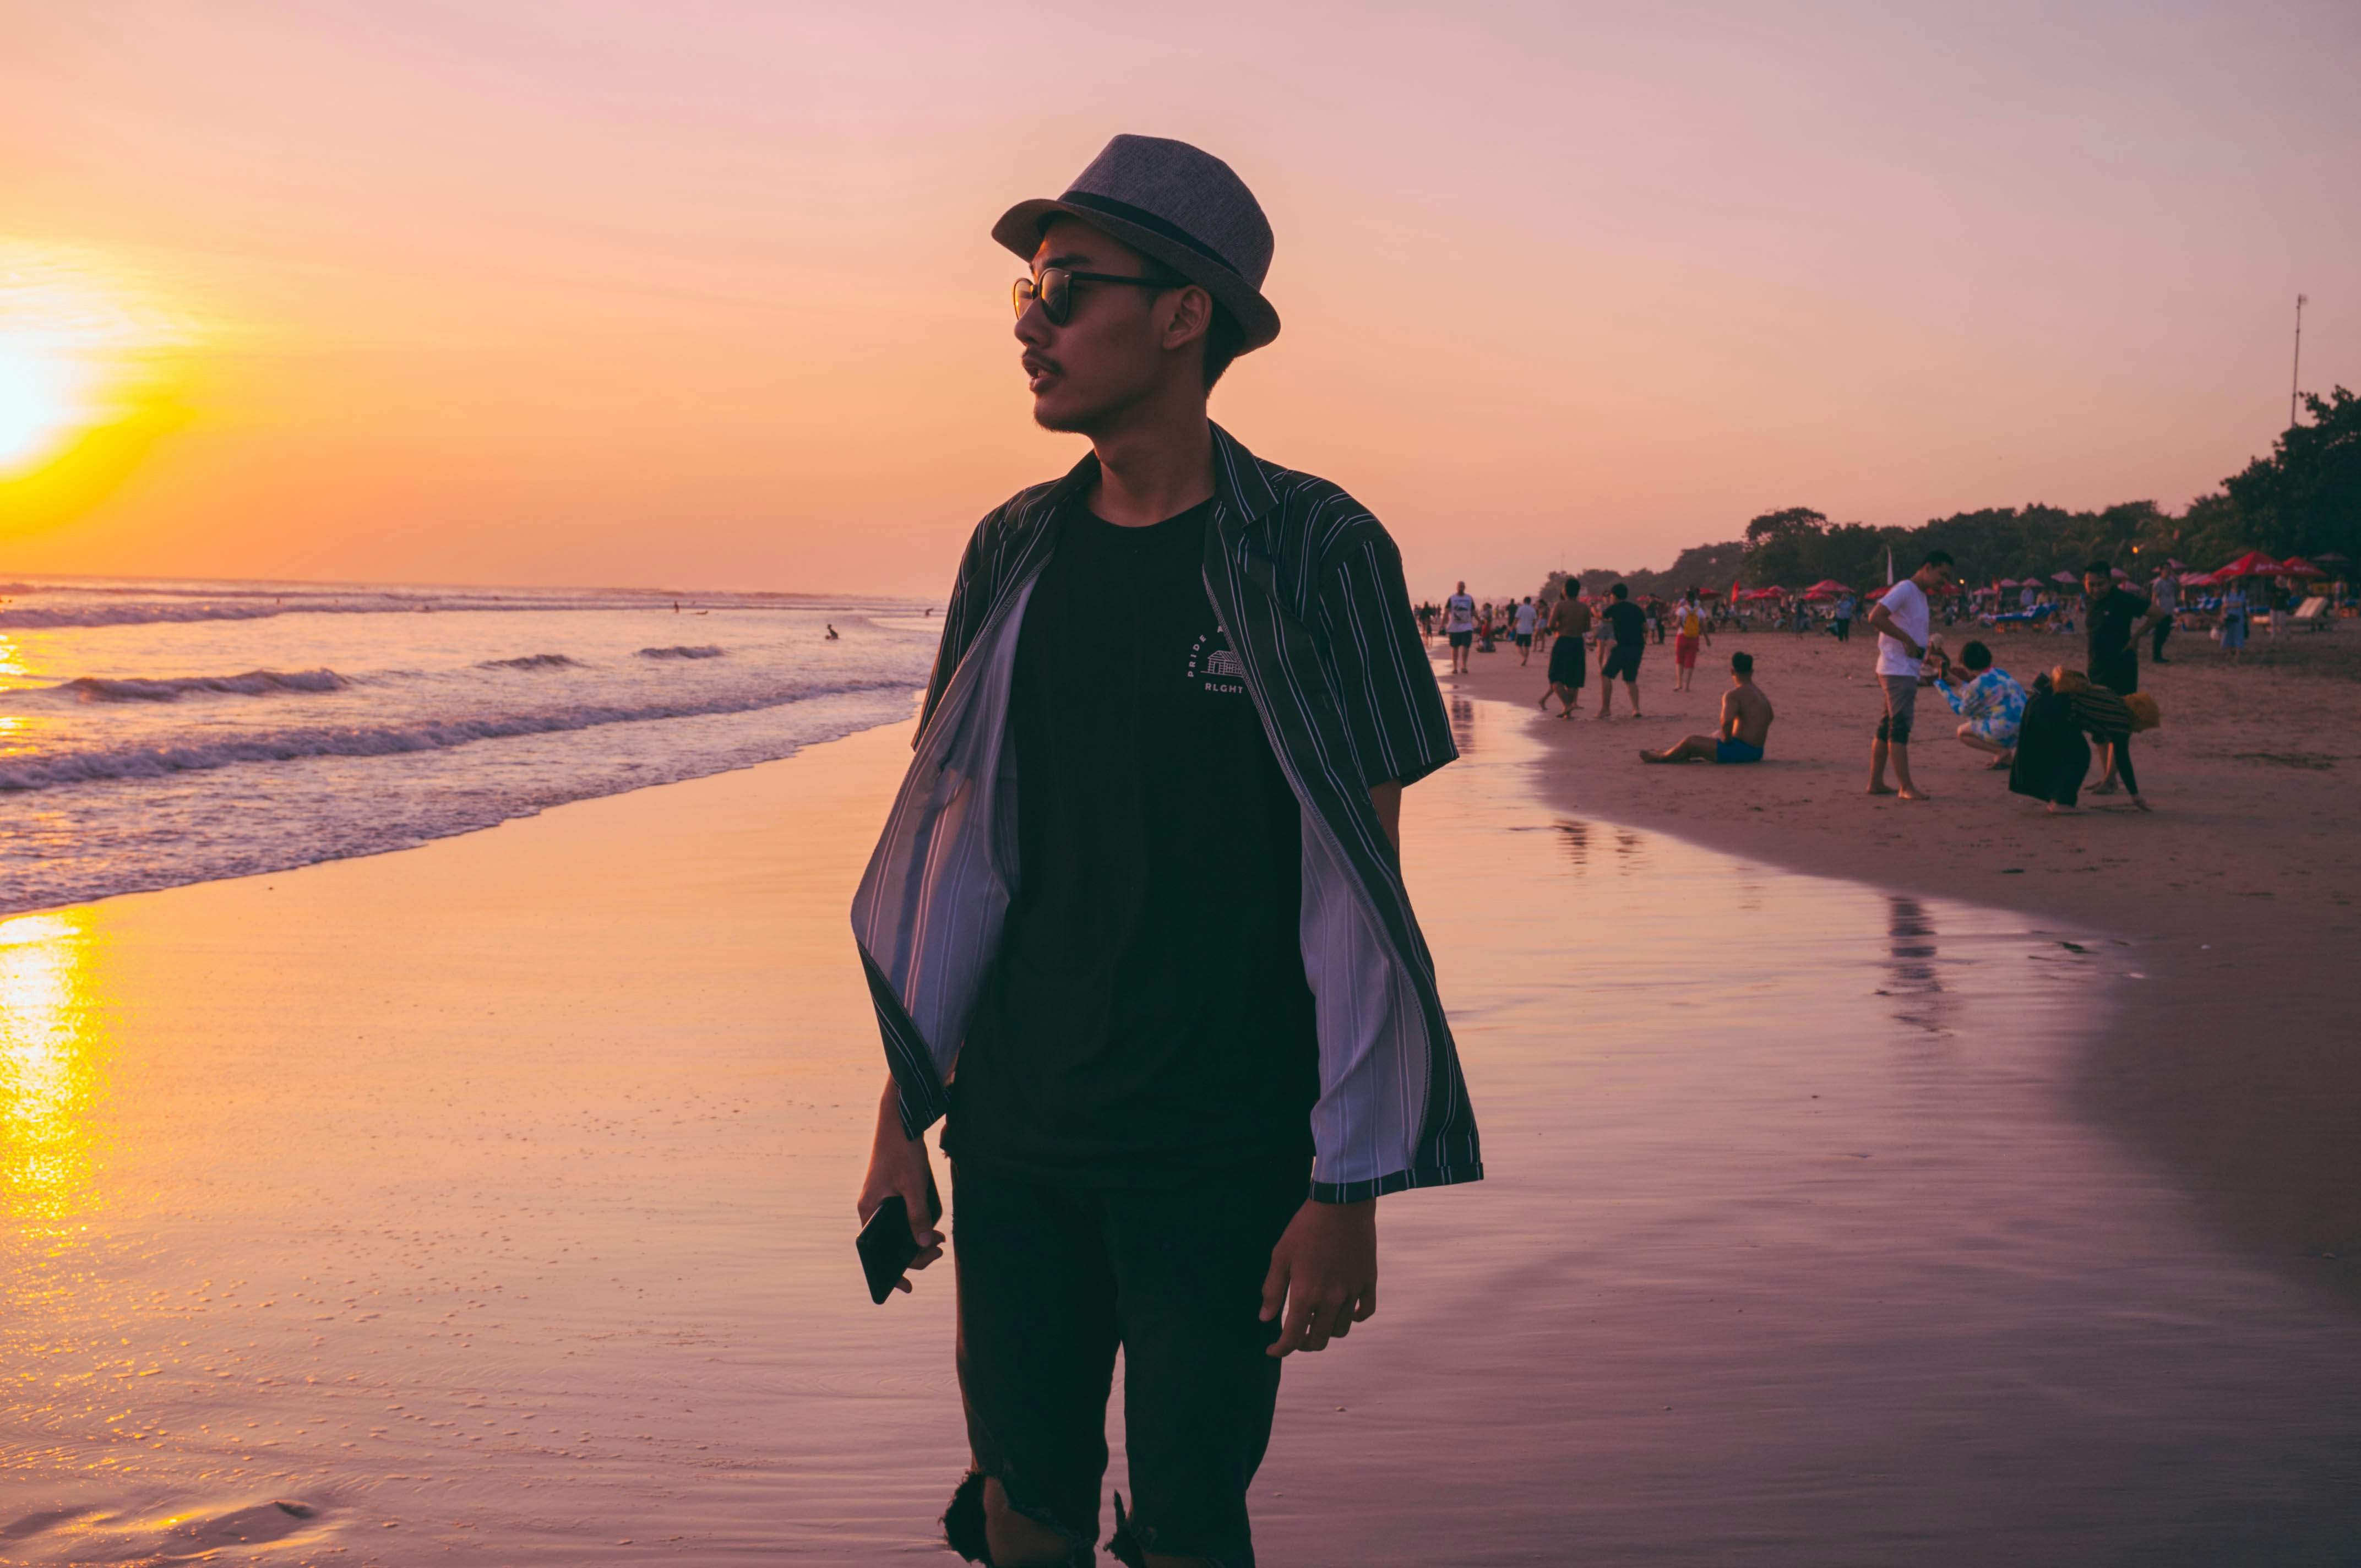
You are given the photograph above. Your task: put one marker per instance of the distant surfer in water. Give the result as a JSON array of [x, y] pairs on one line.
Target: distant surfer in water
[[831, 630]]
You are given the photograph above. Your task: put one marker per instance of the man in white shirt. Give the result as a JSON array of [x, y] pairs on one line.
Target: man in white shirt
[[1526, 617], [1459, 621], [1902, 620]]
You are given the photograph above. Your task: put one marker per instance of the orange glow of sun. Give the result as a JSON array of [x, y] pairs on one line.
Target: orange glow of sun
[[89, 361]]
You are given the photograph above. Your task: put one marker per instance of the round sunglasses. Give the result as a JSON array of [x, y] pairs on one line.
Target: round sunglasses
[[1054, 290]]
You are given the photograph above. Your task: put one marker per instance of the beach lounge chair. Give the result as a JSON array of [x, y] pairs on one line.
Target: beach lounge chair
[[2033, 617], [2312, 612]]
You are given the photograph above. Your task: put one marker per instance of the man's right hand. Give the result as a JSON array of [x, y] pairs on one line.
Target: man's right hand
[[901, 1165]]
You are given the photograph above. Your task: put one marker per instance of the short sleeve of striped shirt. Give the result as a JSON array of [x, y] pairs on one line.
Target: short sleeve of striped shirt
[[1393, 710]]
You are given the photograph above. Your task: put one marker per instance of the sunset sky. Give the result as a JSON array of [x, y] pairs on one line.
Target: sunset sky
[[701, 294]]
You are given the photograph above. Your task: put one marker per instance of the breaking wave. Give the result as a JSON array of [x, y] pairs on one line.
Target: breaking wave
[[707, 650], [138, 761], [533, 662], [254, 683]]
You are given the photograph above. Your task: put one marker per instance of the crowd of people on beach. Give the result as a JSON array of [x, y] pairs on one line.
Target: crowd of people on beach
[[2043, 735]]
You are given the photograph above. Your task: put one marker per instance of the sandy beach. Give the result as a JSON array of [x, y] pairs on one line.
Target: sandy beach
[[489, 1203], [2236, 1062]]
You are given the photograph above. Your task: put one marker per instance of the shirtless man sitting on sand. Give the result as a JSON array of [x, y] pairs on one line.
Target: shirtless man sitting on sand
[[1745, 724]]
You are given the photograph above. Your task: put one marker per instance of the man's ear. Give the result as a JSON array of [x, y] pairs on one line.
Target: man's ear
[[1188, 318]]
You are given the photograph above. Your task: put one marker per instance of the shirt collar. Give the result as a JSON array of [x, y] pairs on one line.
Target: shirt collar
[[1239, 483]]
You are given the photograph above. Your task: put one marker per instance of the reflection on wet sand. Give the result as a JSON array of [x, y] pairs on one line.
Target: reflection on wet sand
[[51, 1070], [1918, 977], [491, 1204]]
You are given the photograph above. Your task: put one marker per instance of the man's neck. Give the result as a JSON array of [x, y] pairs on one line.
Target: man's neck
[[1154, 469]]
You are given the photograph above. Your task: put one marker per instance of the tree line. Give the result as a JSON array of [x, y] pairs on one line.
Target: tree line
[[2303, 499]]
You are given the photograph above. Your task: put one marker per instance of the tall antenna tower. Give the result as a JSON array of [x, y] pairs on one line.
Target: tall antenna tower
[[2295, 378]]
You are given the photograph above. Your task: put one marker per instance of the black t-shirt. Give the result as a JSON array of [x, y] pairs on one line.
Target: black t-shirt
[[1630, 621], [2111, 615], [1148, 1013]]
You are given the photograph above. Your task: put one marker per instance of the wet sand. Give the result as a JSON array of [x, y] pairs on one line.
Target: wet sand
[[489, 1203], [2235, 1065]]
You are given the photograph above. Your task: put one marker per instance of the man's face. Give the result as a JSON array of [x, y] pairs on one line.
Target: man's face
[[1113, 352], [2096, 584], [1932, 577]]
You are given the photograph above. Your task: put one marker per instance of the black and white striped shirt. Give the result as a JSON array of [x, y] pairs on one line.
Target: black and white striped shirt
[[1309, 590]]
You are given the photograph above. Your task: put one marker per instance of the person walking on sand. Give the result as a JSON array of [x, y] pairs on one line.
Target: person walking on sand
[[2165, 594], [1459, 626], [1569, 656], [1901, 620], [1628, 623], [1745, 726], [1847, 602], [1688, 630], [2233, 622], [1204, 668], [1526, 618]]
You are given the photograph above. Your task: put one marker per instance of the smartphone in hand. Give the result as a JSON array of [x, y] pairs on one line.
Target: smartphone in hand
[[885, 1244], [887, 1247]]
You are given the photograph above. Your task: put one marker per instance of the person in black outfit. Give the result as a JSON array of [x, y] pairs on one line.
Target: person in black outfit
[[2117, 619], [1628, 623], [2052, 757], [1187, 691]]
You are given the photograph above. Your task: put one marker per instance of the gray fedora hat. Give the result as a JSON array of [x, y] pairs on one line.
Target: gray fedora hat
[[1172, 203]]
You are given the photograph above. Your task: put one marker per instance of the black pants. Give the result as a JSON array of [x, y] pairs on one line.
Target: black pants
[[2156, 641], [1053, 1276], [1844, 629], [2124, 770]]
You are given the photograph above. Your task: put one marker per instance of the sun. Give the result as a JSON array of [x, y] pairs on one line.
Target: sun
[[42, 404], [81, 345]]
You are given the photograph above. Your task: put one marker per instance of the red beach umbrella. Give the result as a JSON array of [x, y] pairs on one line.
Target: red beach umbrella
[[2297, 566], [2064, 578], [2253, 564], [1826, 588]]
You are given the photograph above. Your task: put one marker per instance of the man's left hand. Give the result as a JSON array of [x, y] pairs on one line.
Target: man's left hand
[[1323, 1275]]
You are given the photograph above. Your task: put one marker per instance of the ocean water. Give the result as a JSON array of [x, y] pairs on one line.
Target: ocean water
[[158, 733]]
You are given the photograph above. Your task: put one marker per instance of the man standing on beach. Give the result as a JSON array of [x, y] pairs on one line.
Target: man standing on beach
[[1169, 987], [1569, 658], [1688, 630], [1903, 622], [2115, 619], [1628, 623], [1459, 624], [1526, 616], [2165, 594]]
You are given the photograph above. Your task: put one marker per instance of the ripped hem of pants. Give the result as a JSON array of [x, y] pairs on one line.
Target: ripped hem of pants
[[963, 1524]]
